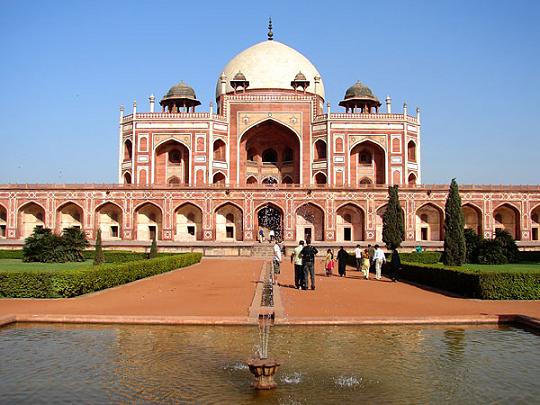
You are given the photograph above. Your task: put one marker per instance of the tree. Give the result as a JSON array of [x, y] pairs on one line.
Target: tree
[[454, 228], [393, 227], [99, 258], [75, 243], [472, 243], [153, 249], [46, 247]]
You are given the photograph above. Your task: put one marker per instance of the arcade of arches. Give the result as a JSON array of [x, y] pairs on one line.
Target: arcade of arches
[[270, 149]]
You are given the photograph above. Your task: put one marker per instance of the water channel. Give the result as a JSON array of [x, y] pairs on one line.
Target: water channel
[[48, 363]]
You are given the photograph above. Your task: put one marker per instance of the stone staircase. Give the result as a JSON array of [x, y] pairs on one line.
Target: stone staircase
[[264, 249]]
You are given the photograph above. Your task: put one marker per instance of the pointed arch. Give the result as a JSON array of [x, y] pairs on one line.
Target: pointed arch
[[171, 158], [127, 178], [219, 178], [148, 221], [319, 178], [411, 179], [411, 151], [350, 221], [506, 216], [188, 222], [30, 215], [3, 222], [220, 150], [109, 217], [368, 158], [535, 223], [69, 215], [310, 222], [270, 217], [128, 150], [287, 180], [252, 180], [472, 215], [319, 150], [229, 222], [429, 222], [379, 221]]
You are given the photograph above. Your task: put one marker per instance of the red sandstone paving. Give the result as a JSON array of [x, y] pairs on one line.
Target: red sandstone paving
[[355, 297], [220, 288], [225, 288]]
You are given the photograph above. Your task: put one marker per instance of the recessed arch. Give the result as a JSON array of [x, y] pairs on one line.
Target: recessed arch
[[270, 217], [3, 222], [148, 221], [30, 215], [219, 178], [429, 222], [171, 158], [411, 151], [69, 215], [109, 217], [310, 222], [350, 220], [229, 222], [252, 180], [128, 150], [411, 179], [379, 221], [220, 150], [506, 217], [319, 178], [127, 178], [319, 150], [535, 223], [472, 216], [188, 222], [368, 159]]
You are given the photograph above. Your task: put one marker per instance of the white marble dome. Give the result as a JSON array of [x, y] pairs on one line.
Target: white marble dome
[[271, 65]]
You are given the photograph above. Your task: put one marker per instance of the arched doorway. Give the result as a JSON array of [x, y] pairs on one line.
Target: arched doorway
[[319, 152], [229, 223], [535, 223], [69, 215], [506, 217], [219, 178], [368, 160], [171, 160], [349, 224], [270, 217], [127, 178], [109, 220], [220, 151], [412, 179], [429, 223], [3, 222], [320, 178], [128, 150], [270, 149], [411, 151], [473, 218], [310, 222], [30, 216], [148, 222], [188, 223]]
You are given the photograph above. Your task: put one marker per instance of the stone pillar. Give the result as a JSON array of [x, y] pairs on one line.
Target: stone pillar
[[120, 146], [152, 100]]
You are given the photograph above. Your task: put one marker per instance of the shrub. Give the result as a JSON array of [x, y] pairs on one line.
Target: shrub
[[11, 254], [490, 251], [71, 283], [153, 249], [472, 241], [508, 244], [44, 246], [421, 257], [98, 257], [74, 241]]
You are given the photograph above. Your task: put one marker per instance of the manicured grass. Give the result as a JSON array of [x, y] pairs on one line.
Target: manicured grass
[[492, 268], [17, 265]]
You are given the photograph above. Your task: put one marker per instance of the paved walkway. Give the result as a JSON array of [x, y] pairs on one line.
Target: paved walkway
[[221, 290]]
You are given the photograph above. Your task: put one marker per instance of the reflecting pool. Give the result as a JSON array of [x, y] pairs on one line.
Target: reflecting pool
[[320, 364]]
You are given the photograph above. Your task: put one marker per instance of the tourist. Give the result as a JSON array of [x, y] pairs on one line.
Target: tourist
[[378, 259], [395, 264], [296, 259], [342, 257], [276, 262], [358, 257], [261, 235], [329, 262], [271, 235], [308, 262], [371, 252], [418, 249], [365, 263]]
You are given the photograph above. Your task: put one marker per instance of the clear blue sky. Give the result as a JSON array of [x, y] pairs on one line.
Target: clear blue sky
[[473, 67]]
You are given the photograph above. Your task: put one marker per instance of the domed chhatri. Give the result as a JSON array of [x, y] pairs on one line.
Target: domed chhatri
[[239, 81], [270, 65], [300, 81], [360, 96], [180, 96]]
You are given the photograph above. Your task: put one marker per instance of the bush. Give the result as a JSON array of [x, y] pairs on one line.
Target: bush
[[529, 256], [490, 251], [472, 242], [71, 283], [153, 249], [98, 256], [46, 247], [421, 257], [484, 285], [508, 244], [11, 254]]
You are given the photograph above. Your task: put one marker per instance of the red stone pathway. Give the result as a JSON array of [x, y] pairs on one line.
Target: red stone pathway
[[221, 290]]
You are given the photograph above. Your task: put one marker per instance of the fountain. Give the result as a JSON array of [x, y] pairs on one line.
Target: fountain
[[262, 367]]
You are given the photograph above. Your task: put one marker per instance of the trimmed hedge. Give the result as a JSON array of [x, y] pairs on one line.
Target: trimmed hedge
[[484, 285], [413, 257], [11, 254], [529, 256], [111, 256], [71, 283]]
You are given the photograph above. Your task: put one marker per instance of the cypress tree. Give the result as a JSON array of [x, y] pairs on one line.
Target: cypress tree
[[393, 226], [99, 258], [454, 228], [153, 249]]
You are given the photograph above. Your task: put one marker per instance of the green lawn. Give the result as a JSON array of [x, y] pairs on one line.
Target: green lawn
[[18, 265]]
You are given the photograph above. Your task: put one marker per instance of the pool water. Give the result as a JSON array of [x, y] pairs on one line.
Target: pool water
[[320, 364]]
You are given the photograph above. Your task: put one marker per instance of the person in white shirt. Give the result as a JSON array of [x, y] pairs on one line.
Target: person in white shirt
[[358, 257], [271, 235], [276, 261], [296, 258], [378, 259]]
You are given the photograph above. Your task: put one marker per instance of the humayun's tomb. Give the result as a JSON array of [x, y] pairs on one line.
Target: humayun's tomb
[[271, 148]]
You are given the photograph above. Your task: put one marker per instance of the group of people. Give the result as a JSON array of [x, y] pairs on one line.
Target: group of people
[[303, 258]]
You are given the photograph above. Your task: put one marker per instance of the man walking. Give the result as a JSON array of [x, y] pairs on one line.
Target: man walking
[[396, 265], [276, 262], [308, 261], [378, 259], [358, 257], [296, 259], [342, 257], [371, 253]]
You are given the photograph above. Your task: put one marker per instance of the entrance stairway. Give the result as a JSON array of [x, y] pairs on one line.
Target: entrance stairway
[[263, 249]]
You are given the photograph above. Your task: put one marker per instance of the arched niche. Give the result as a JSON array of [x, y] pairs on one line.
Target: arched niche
[[506, 217], [69, 215], [379, 222], [30, 216], [349, 223], [319, 152], [128, 150], [368, 160], [229, 223], [171, 160], [320, 178], [270, 217], [535, 223], [220, 151], [472, 217], [252, 180], [411, 151], [411, 179], [429, 223], [3, 222], [219, 178], [148, 222], [310, 222], [108, 218], [127, 178], [188, 223]]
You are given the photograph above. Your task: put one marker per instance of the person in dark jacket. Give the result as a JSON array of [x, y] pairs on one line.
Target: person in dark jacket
[[395, 264], [342, 257], [308, 254]]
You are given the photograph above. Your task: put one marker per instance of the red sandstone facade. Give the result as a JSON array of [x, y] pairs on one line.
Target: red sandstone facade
[[187, 176]]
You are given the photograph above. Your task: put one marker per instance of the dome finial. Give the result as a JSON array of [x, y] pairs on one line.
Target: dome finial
[[270, 33]]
